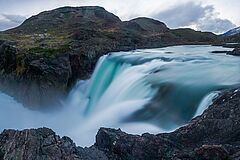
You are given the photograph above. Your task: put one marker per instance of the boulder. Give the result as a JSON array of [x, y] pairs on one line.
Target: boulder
[[235, 52], [43, 143]]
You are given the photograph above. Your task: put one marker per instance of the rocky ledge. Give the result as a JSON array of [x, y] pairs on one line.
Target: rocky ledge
[[213, 135], [43, 144], [235, 52]]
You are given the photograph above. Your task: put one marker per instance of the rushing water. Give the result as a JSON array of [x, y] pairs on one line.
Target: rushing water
[[151, 90]]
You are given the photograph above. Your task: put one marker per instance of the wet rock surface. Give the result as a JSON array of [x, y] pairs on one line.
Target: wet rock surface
[[235, 52], [43, 143], [213, 135]]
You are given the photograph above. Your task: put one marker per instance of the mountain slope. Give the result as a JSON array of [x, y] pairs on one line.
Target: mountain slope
[[232, 36], [232, 32], [42, 58]]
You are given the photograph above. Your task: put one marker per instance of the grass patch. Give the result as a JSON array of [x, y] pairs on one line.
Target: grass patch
[[48, 52]]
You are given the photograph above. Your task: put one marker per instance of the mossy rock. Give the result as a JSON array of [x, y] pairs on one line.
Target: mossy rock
[[48, 52]]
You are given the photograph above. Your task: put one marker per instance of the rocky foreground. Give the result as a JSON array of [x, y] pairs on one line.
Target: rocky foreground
[[213, 135]]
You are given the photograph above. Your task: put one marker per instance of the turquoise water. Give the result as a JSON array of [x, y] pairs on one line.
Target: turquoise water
[[171, 81]]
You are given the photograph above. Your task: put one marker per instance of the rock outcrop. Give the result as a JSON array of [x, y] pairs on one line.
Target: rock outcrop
[[235, 52], [43, 143], [33, 79], [212, 136]]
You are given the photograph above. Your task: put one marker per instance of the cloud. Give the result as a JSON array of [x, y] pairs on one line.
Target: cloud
[[203, 18], [182, 14], [215, 25], [8, 21], [14, 18]]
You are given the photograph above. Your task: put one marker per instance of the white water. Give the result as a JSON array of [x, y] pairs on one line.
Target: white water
[[153, 90], [207, 101]]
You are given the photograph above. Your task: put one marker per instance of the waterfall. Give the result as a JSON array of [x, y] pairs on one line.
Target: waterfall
[[152, 90], [206, 102], [106, 70], [115, 82], [152, 86]]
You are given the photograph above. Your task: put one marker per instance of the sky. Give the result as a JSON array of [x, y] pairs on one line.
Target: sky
[[216, 16]]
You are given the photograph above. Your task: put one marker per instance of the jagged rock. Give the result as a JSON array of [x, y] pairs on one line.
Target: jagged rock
[[7, 57], [120, 145], [212, 152], [235, 52], [43, 143], [213, 135], [36, 144]]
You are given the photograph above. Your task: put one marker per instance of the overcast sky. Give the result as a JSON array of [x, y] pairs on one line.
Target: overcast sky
[[206, 15]]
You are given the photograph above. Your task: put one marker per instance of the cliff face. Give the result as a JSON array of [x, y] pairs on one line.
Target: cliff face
[[213, 135], [43, 57], [43, 143]]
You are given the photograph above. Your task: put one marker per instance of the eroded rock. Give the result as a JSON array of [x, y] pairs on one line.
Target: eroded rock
[[235, 52]]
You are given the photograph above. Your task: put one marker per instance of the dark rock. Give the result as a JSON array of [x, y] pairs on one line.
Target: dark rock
[[212, 152], [235, 52], [42, 83], [7, 57], [1, 155], [219, 51], [215, 134], [36, 144], [119, 145], [43, 143]]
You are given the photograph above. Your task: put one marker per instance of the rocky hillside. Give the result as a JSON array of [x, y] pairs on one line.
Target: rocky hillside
[[213, 135], [42, 58], [232, 39], [231, 36]]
